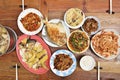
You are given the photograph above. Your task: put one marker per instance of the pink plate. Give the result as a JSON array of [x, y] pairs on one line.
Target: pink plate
[[40, 70]]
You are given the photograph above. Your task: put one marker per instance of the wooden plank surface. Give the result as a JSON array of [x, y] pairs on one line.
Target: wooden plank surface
[[86, 5], [8, 17], [10, 9], [109, 67]]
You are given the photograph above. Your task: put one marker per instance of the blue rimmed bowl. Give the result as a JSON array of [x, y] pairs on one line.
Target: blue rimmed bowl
[[67, 72]]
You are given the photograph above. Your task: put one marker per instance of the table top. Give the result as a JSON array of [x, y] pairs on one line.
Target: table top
[[110, 69]]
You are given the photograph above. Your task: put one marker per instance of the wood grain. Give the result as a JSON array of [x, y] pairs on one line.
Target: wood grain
[[86, 5], [9, 11]]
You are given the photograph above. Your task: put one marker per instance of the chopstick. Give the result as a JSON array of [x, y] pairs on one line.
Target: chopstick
[[16, 72], [98, 71], [110, 6], [23, 5]]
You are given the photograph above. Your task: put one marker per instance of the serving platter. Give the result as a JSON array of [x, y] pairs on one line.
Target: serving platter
[[37, 38], [111, 56], [46, 37]]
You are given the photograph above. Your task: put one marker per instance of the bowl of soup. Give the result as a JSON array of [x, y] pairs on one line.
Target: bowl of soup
[[78, 41]]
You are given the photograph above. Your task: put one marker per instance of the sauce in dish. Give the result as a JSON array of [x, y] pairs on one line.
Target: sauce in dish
[[31, 22]]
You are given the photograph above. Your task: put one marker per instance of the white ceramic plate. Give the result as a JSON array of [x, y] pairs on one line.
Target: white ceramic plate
[[87, 63], [23, 14], [98, 21], [46, 38], [110, 57], [65, 72]]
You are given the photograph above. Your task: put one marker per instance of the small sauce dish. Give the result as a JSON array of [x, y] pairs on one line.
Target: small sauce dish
[[87, 63]]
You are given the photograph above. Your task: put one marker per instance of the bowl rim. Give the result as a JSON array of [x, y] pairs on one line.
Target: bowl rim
[[74, 27], [85, 48], [14, 37], [23, 14], [95, 18]]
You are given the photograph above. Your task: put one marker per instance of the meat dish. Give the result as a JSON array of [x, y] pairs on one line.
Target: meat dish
[[31, 22]]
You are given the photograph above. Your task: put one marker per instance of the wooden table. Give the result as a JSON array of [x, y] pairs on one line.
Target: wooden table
[[8, 16]]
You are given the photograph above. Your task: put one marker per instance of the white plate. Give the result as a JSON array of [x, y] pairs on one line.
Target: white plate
[[98, 21], [65, 72], [113, 56], [46, 38], [87, 63], [23, 14]]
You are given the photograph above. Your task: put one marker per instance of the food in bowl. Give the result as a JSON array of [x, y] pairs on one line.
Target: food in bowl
[[56, 33], [68, 56], [13, 39], [87, 63], [78, 41], [4, 40], [33, 53], [90, 25], [31, 21], [62, 62], [74, 17], [106, 44]]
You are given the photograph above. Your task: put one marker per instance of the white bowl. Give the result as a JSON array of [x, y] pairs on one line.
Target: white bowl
[[79, 25], [98, 21], [23, 14], [87, 63]]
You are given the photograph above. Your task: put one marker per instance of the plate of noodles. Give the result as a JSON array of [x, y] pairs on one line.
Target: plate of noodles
[[106, 44], [74, 18]]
